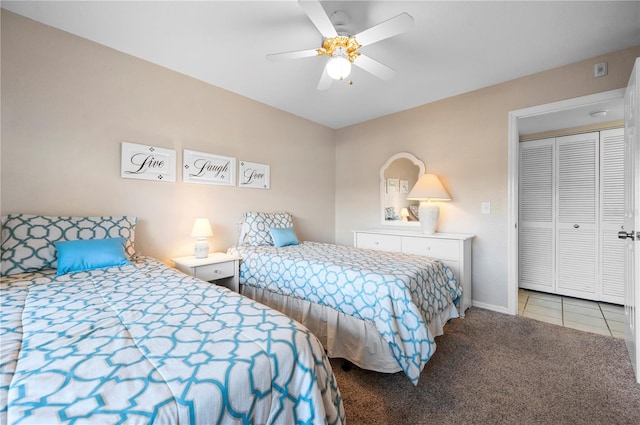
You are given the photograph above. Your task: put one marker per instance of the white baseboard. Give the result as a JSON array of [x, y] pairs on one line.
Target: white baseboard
[[492, 307]]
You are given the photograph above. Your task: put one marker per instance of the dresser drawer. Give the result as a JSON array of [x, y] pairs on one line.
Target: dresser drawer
[[380, 242], [444, 249], [215, 271]]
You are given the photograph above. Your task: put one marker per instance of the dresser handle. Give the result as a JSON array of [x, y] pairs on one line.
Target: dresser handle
[[376, 243], [428, 248]]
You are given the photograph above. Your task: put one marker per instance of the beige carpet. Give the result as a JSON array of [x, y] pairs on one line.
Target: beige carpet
[[492, 368]]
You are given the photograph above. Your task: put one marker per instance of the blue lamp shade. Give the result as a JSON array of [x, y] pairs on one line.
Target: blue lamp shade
[[428, 188], [201, 231]]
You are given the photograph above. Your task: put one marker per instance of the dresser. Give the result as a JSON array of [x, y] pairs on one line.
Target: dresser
[[454, 249]]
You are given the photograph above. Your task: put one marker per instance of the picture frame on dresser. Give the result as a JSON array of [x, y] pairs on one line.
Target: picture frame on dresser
[[454, 249]]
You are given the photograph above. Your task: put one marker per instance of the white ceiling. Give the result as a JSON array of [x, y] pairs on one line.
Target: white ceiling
[[575, 117], [454, 47]]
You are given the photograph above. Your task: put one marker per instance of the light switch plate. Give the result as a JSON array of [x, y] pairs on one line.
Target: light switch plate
[[485, 208]]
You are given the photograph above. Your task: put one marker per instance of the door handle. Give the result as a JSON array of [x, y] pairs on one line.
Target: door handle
[[624, 235]]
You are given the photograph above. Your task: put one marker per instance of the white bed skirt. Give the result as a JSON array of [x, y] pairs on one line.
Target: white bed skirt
[[343, 336]]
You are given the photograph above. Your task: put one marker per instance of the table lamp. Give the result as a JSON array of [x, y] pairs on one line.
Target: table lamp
[[404, 214], [427, 189], [201, 230]]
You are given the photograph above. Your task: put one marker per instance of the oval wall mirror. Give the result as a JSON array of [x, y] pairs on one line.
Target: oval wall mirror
[[397, 177]]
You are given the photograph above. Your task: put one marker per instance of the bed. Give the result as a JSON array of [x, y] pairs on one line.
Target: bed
[[139, 342], [378, 310]]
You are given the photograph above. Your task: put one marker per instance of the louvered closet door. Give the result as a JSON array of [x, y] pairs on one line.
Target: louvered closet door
[[577, 211], [536, 236], [612, 215]]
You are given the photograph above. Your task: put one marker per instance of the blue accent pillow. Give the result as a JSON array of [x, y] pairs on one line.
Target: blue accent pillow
[[283, 236], [90, 254]]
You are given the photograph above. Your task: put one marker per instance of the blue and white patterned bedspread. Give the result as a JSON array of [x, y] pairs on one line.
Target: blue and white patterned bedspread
[[145, 343], [399, 293]]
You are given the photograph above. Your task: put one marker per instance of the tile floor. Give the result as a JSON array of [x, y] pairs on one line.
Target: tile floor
[[589, 316]]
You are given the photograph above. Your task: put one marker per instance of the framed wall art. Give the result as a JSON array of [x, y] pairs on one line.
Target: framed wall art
[[206, 168], [254, 175], [393, 185], [404, 186], [147, 163]]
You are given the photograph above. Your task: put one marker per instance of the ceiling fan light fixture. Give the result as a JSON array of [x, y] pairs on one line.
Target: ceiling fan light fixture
[[339, 66], [341, 46]]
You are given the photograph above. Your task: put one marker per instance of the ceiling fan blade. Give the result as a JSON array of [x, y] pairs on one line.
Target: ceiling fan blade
[[292, 55], [374, 67], [325, 80], [394, 26], [318, 16]]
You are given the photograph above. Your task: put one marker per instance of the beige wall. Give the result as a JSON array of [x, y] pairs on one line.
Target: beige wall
[[67, 104], [463, 139]]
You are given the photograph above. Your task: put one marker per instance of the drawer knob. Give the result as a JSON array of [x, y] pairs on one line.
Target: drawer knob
[[377, 243], [428, 248]]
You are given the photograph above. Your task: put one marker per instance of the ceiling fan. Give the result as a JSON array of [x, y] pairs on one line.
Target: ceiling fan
[[341, 46]]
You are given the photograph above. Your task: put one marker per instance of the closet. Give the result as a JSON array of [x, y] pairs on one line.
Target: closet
[[571, 208]]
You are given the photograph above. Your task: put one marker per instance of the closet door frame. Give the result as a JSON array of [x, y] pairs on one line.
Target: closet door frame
[[587, 258], [513, 174]]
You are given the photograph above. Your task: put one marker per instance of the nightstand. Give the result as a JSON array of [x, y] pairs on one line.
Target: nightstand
[[218, 267]]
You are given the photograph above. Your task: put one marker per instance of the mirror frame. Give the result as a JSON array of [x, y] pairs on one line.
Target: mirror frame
[[383, 187]]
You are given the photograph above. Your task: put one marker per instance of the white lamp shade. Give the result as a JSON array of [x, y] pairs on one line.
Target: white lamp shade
[[428, 188], [201, 228]]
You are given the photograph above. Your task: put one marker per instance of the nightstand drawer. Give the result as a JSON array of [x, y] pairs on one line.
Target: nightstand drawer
[[215, 271], [444, 249]]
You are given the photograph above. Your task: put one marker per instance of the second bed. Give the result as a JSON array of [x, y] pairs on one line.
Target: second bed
[[379, 310]]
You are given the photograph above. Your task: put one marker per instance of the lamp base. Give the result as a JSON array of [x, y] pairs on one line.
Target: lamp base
[[429, 214], [201, 248]]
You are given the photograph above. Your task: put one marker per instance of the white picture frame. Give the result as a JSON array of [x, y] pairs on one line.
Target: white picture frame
[[404, 186], [393, 185], [254, 175], [145, 162], [206, 168]]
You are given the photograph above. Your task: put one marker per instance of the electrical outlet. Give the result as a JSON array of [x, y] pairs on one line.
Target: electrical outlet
[[600, 69], [485, 208]]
